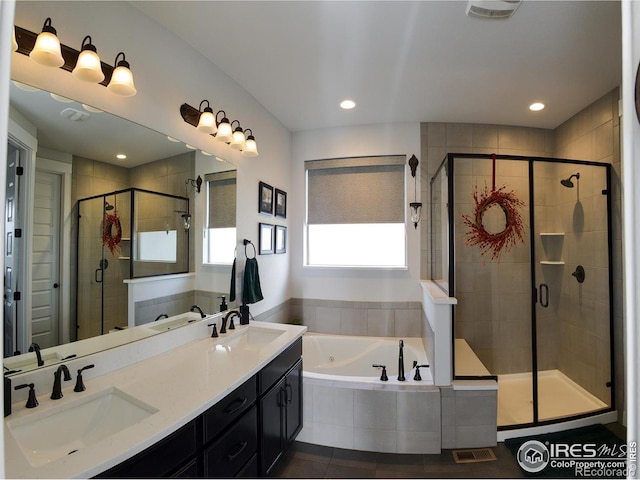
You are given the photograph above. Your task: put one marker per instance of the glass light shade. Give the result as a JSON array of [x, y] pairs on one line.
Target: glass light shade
[[14, 42], [416, 208], [207, 123], [224, 131], [47, 50], [251, 147], [88, 67], [122, 82], [237, 140]]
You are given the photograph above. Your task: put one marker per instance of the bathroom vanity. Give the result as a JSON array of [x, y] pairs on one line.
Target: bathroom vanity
[[212, 407]]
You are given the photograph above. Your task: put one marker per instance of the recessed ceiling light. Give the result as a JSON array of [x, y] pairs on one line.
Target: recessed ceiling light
[[171, 139], [121, 156], [205, 153], [191, 146], [347, 104], [536, 107]]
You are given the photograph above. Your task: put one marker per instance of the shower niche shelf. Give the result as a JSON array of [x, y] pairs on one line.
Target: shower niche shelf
[[552, 234], [552, 242], [551, 262]]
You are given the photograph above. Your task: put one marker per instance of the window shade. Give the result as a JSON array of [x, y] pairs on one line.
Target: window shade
[[222, 199], [356, 190]]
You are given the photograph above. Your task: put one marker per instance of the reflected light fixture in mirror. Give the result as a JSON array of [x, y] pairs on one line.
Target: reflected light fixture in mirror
[[88, 67], [122, 79], [47, 49], [207, 121], [237, 139]]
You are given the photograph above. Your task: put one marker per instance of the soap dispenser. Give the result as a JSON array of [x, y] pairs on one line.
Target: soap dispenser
[[223, 304]]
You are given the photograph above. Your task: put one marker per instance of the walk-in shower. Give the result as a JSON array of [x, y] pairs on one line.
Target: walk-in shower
[[122, 235], [537, 315]]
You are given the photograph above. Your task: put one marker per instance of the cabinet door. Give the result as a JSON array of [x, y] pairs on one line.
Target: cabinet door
[[293, 391], [271, 427]]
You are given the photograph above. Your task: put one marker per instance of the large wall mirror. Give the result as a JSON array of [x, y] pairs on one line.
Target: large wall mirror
[[63, 155]]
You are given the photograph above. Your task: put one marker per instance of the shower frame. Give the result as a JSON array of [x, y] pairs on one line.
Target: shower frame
[[132, 208], [448, 164]]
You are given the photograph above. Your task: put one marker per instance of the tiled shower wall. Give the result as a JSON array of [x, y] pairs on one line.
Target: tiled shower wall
[[90, 178], [592, 134]]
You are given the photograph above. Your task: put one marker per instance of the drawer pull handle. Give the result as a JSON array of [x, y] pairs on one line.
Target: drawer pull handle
[[234, 406], [241, 446], [289, 394]]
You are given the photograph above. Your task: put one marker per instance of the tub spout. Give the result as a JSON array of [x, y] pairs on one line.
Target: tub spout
[[401, 363]]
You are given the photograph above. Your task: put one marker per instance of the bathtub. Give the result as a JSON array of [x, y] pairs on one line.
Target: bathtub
[[346, 405], [350, 358]]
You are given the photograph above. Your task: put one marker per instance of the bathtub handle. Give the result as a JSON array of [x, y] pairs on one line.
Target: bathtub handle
[[544, 300]]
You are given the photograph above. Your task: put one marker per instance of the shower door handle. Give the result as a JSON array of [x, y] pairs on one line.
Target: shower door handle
[[544, 299], [96, 275]]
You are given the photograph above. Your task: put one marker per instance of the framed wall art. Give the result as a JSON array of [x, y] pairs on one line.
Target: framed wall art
[[265, 238], [281, 239], [281, 203], [265, 198]]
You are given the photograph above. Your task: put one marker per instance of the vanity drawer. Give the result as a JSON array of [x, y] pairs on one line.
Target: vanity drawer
[[227, 410], [227, 456], [270, 374]]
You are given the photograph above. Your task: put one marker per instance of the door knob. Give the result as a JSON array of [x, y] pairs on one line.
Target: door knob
[[55, 285]]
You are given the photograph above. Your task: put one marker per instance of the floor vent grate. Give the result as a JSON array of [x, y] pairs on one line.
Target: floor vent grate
[[474, 455]]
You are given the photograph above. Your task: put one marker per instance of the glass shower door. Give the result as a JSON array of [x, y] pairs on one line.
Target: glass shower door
[[572, 355]]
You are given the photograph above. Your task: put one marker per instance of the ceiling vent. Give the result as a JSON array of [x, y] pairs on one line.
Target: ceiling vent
[[75, 115], [492, 8]]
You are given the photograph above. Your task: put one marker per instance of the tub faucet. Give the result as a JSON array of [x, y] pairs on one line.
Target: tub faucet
[[401, 363], [230, 315], [56, 393], [34, 347], [196, 308], [163, 315]]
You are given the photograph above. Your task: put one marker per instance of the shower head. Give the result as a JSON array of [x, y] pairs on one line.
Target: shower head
[[107, 206], [566, 182]]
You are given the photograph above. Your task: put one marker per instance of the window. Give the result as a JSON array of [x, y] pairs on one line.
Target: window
[[355, 212], [220, 229]]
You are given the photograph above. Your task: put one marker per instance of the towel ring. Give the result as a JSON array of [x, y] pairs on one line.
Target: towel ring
[[249, 242]]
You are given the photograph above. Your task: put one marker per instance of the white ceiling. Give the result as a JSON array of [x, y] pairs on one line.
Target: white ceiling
[[423, 61]]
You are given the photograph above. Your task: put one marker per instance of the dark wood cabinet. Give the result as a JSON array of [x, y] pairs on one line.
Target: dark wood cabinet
[[243, 435], [280, 409]]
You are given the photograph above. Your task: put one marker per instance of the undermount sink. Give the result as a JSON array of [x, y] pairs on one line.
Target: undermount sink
[[29, 361], [175, 322], [50, 435], [253, 337]]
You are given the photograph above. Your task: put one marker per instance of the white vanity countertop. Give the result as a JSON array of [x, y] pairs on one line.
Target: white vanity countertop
[[181, 384]]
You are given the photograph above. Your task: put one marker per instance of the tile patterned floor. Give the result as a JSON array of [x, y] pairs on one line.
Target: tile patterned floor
[[304, 460]]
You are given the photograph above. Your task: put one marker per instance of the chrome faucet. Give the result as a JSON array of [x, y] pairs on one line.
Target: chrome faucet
[[164, 315], [56, 393], [230, 315], [34, 347], [401, 363], [196, 308]]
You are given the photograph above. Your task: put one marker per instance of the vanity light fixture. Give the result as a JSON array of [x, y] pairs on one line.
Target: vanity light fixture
[[88, 67], [122, 79], [46, 50], [416, 207], [14, 42], [251, 147], [225, 132], [207, 121], [238, 140]]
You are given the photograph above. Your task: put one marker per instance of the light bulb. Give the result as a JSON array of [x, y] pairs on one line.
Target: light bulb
[[122, 79], [88, 67], [46, 50]]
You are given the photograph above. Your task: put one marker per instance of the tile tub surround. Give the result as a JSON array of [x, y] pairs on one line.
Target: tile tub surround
[[374, 319], [212, 374], [469, 414], [375, 420]]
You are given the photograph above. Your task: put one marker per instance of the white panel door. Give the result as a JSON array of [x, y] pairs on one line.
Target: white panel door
[[46, 260]]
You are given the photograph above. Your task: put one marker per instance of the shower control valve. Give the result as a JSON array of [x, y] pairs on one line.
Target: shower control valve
[[383, 376]]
